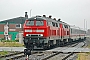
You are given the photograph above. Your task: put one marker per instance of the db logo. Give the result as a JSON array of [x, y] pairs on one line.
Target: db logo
[[33, 30]]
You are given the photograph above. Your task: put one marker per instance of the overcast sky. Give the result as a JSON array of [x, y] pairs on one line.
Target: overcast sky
[[71, 11]]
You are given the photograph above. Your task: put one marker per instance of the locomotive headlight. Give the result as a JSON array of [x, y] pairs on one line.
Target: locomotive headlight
[[39, 30], [41, 34], [26, 34], [28, 30]]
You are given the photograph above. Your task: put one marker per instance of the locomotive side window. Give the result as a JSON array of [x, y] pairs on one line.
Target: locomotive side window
[[65, 26], [53, 23], [39, 23], [31, 23], [49, 23], [56, 24]]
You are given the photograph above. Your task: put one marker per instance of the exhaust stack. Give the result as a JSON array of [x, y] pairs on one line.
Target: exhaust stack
[[26, 15]]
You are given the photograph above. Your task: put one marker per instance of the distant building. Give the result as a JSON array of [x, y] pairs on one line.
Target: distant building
[[15, 25], [88, 32]]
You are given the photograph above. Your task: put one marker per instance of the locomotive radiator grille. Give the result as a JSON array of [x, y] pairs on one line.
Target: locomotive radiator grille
[[34, 35]]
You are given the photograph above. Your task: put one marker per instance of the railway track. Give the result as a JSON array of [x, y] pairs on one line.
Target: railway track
[[16, 56], [12, 56], [47, 55], [65, 55], [40, 55]]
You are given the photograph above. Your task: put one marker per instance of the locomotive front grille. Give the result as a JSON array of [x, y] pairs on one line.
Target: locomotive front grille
[[34, 35], [34, 38]]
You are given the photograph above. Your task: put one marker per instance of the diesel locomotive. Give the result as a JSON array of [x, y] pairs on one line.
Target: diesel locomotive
[[41, 32]]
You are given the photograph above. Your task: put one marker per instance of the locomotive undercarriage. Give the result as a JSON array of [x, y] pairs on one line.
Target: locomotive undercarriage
[[35, 42], [44, 43]]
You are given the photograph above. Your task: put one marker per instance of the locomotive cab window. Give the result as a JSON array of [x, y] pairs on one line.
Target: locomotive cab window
[[39, 23], [31, 23]]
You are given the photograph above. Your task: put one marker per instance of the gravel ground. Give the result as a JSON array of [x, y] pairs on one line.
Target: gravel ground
[[73, 57], [88, 41], [57, 57], [85, 56]]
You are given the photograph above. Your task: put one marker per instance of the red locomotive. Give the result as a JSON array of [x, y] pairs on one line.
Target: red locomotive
[[41, 32]]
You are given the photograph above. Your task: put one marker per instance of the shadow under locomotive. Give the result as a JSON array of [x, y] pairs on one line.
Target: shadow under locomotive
[[35, 42]]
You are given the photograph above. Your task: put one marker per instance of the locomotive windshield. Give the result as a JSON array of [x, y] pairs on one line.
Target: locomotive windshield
[[31, 23], [39, 23]]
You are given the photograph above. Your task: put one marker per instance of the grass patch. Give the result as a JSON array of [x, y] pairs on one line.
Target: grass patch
[[83, 56], [9, 40], [88, 53], [2, 53], [88, 46], [10, 44]]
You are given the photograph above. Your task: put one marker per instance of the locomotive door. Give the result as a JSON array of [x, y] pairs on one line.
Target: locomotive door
[[61, 32]]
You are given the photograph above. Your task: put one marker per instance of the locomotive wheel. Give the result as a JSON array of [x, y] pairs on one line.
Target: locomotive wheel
[[50, 44], [45, 47], [57, 43]]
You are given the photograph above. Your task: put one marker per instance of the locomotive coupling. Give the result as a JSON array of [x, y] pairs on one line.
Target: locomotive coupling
[[27, 51]]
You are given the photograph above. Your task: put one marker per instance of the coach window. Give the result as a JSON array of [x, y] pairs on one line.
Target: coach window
[[71, 31], [67, 26]]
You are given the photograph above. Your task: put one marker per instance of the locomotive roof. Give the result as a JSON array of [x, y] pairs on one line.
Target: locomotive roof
[[36, 18], [46, 18], [41, 18]]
